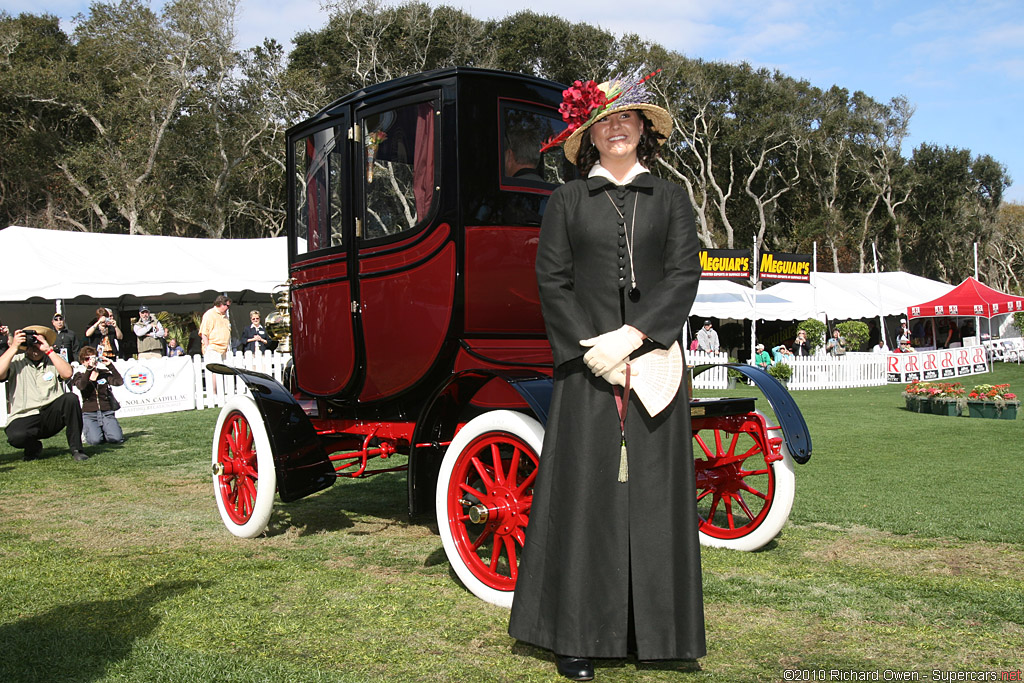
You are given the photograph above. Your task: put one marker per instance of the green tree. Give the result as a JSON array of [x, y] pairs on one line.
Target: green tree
[[856, 334], [551, 47], [955, 204], [33, 131], [366, 42], [1002, 257]]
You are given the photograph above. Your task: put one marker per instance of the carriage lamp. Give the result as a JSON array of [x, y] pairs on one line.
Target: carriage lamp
[[279, 323]]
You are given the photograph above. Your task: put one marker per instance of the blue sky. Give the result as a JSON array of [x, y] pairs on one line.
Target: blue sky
[[961, 63]]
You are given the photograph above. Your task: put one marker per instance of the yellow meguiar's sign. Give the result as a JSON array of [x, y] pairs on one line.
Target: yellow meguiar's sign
[[725, 264], [786, 267]]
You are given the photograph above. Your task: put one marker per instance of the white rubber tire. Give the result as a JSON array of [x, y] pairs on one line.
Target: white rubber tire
[[778, 514], [526, 429], [267, 475]]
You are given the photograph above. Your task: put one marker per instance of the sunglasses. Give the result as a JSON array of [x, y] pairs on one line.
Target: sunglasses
[[58, 317]]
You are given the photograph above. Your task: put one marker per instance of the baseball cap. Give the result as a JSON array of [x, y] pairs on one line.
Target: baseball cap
[[143, 308]]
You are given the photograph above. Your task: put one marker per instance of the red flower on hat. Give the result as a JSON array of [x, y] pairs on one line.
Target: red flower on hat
[[578, 101]]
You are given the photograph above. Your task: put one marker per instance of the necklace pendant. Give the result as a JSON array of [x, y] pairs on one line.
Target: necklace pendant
[[634, 294]]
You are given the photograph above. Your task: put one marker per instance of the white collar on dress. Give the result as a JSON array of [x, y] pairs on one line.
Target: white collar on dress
[[599, 170]]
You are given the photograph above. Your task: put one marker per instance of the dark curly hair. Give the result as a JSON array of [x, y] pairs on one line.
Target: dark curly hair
[[646, 152]]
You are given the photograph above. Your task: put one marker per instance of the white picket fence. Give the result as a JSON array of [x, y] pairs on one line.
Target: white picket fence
[[714, 378], [829, 372], [213, 390], [816, 372], [825, 372]]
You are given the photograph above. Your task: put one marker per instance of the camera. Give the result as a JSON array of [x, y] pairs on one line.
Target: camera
[[31, 337]]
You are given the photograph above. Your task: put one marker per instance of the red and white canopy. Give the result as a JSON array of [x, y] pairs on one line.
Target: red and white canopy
[[969, 298]]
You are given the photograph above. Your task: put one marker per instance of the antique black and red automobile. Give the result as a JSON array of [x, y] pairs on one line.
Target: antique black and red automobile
[[414, 209]]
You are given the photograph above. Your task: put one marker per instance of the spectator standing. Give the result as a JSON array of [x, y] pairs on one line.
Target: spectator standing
[[39, 406], [707, 338], [880, 347], [104, 334], [95, 379], [255, 337], [801, 347], [836, 345], [173, 350], [67, 343], [150, 333], [780, 354], [762, 358], [215, 331], [215, 334], [903, 338]]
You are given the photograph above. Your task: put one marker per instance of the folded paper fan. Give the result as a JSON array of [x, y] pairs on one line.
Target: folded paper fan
[[655, 377]]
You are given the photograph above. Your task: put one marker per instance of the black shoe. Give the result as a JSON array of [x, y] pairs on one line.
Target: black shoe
[[575, 668], [79, 455], [33, 450]]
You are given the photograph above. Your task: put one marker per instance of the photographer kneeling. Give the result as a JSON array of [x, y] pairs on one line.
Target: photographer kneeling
[[39, 407], [94, 380]]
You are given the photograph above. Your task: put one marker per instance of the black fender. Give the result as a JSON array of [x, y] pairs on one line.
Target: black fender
[[300, 461], [794, 428], [439, 419]]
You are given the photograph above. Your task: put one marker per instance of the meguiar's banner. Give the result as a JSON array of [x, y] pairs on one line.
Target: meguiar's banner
[[935, 366], [777, 266], [725, 264]]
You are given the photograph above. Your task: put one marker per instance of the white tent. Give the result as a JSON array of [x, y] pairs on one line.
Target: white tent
[[846, 296], [85, 270], [728, 299], [58, 264]]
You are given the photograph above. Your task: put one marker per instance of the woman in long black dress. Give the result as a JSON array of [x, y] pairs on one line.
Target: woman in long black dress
[[611, 565]]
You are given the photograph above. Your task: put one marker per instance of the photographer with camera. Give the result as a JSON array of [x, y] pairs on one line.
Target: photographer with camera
[[150, 333], [95, 379], [104, 334], [39, 407]]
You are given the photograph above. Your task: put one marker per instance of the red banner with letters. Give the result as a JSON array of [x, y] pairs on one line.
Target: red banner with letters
[[941, 365]]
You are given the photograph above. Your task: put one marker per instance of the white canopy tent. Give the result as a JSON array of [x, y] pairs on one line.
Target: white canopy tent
[[59, 264], [84, 270], [846, 296], [835, 296], [727, 299]]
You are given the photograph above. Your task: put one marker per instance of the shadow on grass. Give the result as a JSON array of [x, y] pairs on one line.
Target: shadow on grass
[[382, 497], [79, 641]]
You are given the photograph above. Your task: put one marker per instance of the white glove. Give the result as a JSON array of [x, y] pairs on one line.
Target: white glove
[[616, 376], [611, 348]]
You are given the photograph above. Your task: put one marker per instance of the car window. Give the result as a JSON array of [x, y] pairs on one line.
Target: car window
[[399, 168]]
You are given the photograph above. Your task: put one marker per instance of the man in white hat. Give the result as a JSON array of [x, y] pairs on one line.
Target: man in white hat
[[903, 339], [39, 406]]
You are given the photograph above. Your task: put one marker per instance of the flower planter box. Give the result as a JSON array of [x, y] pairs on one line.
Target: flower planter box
[[989, 410], [947, 408]]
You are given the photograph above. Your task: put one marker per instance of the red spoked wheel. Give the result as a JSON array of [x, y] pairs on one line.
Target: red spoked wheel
[[484, 494], [244, 479], [745, 481]]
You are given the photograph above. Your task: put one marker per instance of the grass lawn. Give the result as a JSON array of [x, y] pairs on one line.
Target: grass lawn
[[904, 552]]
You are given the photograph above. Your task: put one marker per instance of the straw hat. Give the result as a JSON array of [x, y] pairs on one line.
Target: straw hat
[[46, 332], [584, 104]]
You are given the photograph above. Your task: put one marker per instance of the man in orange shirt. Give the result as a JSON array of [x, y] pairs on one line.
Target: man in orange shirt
[[215, 333]]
